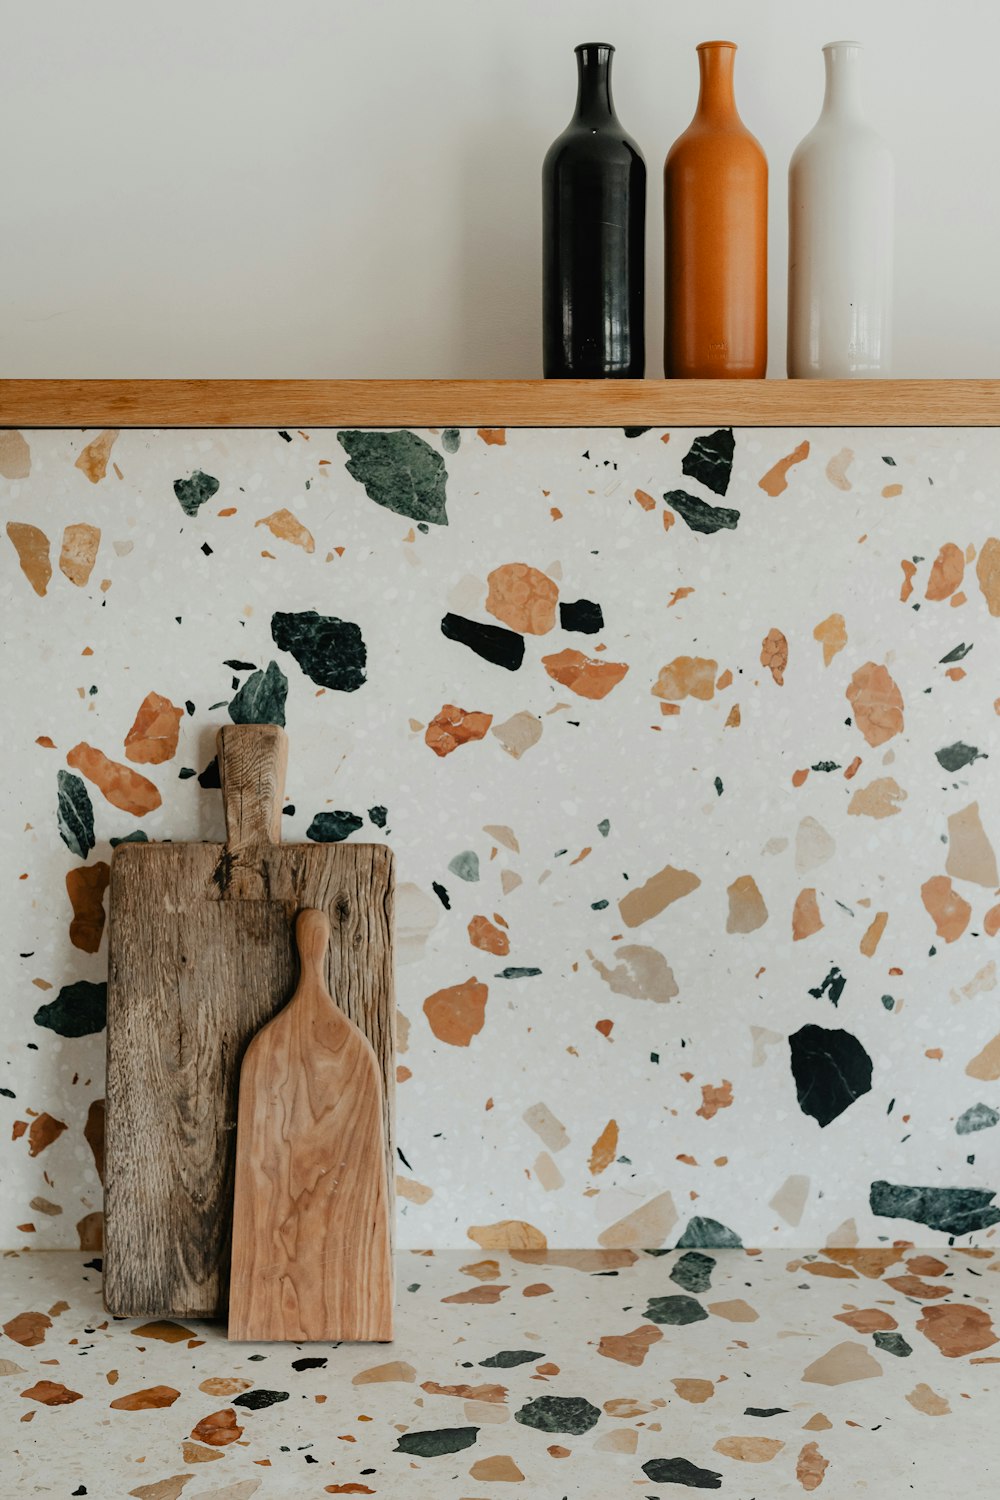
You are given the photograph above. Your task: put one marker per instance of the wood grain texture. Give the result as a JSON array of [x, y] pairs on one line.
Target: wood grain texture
[[311, 1256], [252, 775], [499, 403], [200, 957]]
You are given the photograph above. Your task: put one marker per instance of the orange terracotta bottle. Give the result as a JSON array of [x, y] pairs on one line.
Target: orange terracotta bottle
[[715, 221]]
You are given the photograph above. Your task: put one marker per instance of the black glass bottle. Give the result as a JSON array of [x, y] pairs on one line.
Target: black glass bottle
[[593, 228]]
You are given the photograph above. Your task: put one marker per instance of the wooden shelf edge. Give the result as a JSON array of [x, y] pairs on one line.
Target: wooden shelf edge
[[499, 403]]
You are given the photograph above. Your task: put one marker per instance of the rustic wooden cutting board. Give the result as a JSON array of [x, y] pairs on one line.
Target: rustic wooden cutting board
[[311, 1250], [201, 955]]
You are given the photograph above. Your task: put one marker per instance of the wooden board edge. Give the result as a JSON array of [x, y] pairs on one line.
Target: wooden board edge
[[498, 403]]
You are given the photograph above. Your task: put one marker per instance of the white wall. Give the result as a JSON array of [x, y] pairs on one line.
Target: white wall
[[318, 188]]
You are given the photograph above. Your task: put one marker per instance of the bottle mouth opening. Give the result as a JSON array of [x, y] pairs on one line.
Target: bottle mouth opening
[[594, 47], [703, 46], [838, 46]]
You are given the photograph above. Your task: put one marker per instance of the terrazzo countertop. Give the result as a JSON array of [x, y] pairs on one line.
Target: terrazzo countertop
[[574, 1373]]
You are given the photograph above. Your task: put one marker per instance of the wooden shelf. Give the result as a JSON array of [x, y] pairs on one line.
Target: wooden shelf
[[499, 403]]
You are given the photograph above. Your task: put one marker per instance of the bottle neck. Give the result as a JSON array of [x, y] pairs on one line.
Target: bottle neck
[[593, 96], [716, 98], [843, 80]]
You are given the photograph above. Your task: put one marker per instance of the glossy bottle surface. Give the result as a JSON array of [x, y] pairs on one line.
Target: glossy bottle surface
[[840, 233], [715, 228], [593, 230]]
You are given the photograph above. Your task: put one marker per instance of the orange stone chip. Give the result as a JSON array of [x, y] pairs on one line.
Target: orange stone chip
[[988, 574], [587, 676], [913, 1286], [811, 1466], [950, 911], [28, 1328], [224, 1385], [749, 1450], [458, 1013], [877, 703], [153, 736], [630, 1348], [957, 1329], [90, 1231], [507, 1234], [926, 1265], [873, 934], [806, 918], [163, 1329], [32, 548], [775, 481], [747, 910], [51, 1393], [774, 654], [867, 1319], [194, 1453], [947, 572], [121, 786], [455, 726], [869, 1262], [523, 598], [44, 1130], [153, 1396], [686, 677], [832, 636], [93, 461], [85, 887], [483, 934], [604, 1149], [656, 894], [713, 1098], [218, 1429], [495, 1394], [288, 528], [478, 1295], [693, 1390], [496, 1468], [626, 1406], [79, 552]]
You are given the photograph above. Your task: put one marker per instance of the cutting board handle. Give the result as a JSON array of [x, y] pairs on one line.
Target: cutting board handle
[[312, 936], [252, 763]]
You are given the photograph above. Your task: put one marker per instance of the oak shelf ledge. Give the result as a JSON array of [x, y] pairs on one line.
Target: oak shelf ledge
[[499, 403]]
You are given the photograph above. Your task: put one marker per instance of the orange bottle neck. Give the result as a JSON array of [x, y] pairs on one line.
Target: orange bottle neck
[[716, 99]]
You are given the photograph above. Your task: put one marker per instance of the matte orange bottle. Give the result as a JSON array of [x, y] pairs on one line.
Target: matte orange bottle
[[715, 222]]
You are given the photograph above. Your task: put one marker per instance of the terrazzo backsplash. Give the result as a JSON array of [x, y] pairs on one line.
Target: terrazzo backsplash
[[684, 741]]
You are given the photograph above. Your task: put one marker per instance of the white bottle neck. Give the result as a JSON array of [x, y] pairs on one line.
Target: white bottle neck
[[843, 81]]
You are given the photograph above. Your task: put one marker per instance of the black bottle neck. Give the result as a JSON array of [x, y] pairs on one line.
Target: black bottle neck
[[593, 98]]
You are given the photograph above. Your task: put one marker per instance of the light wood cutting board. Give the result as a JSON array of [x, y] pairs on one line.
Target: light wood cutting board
[[201, 955], [311, 1249]]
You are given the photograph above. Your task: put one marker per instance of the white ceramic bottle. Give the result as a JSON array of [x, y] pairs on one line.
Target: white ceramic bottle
[[840, 233]]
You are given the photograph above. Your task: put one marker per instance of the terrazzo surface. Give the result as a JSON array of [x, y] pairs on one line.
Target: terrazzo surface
[[587, 1373], [685, 743]]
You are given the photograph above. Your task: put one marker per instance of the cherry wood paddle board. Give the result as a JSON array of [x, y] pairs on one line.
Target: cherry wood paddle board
[[201, 955], [311, 1253]]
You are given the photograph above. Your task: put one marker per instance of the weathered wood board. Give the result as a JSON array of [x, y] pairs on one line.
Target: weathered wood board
[[311, 1255], [201, 955]]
